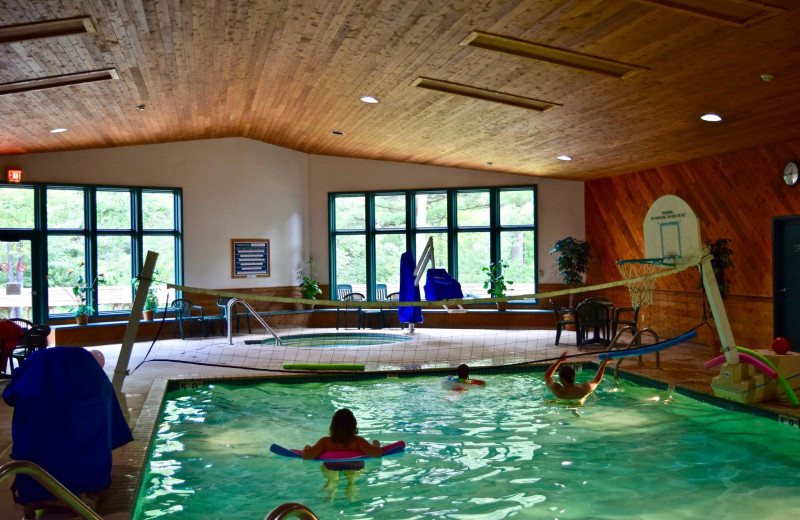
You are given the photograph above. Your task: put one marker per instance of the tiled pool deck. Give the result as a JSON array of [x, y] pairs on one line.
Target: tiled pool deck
[[681, 365]]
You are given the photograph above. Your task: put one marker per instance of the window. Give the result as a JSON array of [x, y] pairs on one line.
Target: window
[[470, 228], [94, 231]]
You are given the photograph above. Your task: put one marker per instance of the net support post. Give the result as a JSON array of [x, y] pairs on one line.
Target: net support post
[[121, 370], [718, 311]]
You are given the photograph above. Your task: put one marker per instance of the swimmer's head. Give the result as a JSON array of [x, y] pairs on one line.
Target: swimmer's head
[[463, 371], [566, 374]]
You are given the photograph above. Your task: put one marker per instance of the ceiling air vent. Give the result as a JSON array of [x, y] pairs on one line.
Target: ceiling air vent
[[486, 95], [538, 51], [734, 12], [65, 80]]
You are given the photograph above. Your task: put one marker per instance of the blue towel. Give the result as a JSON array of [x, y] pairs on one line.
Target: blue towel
[[439, 285], [66, 419], [408, 291]]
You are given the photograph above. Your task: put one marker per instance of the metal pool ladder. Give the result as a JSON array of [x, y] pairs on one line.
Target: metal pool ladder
[[51, 484], [229, 307]]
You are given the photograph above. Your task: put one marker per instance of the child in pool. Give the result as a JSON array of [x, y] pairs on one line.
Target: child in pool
[[343, 436]]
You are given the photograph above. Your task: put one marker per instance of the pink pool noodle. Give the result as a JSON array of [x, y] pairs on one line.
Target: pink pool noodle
[[743, 357]]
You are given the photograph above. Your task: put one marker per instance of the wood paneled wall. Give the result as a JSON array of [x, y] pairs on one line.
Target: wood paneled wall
[[734, 195]]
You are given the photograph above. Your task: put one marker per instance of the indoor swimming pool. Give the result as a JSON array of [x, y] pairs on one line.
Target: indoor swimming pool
[[506, 450]]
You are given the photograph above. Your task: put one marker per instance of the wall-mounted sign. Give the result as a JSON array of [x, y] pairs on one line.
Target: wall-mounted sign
[[250, 257], [14, 175]]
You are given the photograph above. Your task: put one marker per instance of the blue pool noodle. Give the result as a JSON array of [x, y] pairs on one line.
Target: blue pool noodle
[[614, 354]]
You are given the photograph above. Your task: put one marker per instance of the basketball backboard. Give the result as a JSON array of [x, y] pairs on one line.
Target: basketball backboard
[[671, 229]]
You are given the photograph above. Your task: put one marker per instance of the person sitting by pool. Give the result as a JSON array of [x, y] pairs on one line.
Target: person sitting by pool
[[343, 437], [567, 389]]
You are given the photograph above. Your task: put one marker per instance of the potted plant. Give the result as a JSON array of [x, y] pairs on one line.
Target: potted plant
[[151, 300], [496, 284], [309, 287], [79, 291], [721, 260], [573, 256]]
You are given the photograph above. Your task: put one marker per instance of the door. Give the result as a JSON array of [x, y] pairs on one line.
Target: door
[[16, 294], [786, 279]]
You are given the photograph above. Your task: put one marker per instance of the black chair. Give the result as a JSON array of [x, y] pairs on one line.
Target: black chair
[[32, 340], [9, 338], [183, 312], [561, 320], [222, 303], [350, 306], [625, 316], [595, 318]]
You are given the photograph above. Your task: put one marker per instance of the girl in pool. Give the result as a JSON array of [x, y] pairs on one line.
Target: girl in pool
[[343, 437]]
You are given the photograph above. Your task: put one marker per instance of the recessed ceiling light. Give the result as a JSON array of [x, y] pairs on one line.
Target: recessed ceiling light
[[711, 117], [369, 99], [337, 132], [58, 130], [141, 108], [489, 164], [564, 158]]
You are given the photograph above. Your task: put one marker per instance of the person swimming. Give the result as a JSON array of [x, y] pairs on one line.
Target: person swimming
[[567, 389], [343, 436]]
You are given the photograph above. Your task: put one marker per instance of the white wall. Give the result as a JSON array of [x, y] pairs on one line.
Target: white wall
[[560, 211], [232, 188], [241, 188]]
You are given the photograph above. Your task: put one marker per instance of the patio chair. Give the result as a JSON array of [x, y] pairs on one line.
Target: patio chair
[[561, 320], [350, 306], [32, 340], [222, 303], [183, 312], [625, 316], [595, 318]]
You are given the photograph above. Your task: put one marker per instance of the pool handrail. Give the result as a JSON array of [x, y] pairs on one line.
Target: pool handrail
[[290, 509], [52, 485], [229, 307], [636, 340]]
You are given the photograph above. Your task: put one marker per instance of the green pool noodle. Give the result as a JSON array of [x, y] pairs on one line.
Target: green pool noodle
[[786, 388], [311, 366]]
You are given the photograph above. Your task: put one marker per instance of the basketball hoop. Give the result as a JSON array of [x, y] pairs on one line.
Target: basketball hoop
[[641, 291]]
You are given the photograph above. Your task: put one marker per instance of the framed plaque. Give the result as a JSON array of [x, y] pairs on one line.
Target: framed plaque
[[250, 258]]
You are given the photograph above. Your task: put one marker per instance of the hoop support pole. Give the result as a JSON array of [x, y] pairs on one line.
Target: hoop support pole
[[718, 311]]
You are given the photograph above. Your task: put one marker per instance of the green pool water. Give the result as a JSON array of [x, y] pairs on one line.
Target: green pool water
[[503, 451]]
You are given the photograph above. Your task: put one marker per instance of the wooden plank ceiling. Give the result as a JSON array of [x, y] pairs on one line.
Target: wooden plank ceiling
[[288, 72]]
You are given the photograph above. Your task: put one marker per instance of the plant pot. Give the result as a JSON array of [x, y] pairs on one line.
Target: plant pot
[[147, 315], [309, 306], [569, 326], [82, 319], [501, 306]]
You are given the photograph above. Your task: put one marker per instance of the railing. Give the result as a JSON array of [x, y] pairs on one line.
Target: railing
[[290, 509], [635, 342], [229, 308], [55, 487]]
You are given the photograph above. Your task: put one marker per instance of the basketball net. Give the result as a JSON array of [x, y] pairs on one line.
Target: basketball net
[[641, 291]]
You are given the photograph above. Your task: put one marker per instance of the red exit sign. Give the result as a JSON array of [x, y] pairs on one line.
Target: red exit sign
[[14, 175]]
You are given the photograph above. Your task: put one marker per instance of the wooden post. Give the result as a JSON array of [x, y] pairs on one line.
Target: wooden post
[[121, 370]]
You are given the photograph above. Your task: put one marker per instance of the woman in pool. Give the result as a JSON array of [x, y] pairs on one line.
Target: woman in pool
[[343, 437]]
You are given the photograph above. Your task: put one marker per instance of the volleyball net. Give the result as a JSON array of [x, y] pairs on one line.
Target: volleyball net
[[284, 334]]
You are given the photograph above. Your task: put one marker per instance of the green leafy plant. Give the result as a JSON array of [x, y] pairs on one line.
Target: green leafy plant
[[79, 291], [496, 284], [309, 287], [573, 257], [722, 260], [151, 300]]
